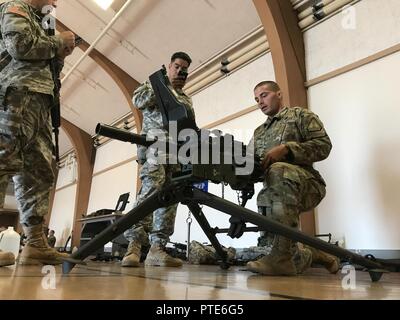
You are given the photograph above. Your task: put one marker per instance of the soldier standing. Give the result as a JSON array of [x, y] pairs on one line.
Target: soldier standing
[[26, 96], [288, 143], [153, 175]]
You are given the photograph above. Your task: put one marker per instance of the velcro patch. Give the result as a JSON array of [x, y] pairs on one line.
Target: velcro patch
[[17, 10], [314, 126]]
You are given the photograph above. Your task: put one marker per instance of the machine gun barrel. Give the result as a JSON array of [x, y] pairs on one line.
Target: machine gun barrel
[[122, 135]]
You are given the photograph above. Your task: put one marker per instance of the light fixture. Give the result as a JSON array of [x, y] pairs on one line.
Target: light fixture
[[104, 4]]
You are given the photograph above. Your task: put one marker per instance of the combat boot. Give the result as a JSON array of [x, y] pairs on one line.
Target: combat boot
[[6, 259], [273, 265], [279, 262], [302, 259], [330, 262], [37, 250], [132, 256], [158, 257]]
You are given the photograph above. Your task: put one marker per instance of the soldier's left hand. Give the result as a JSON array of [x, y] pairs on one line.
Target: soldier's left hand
[[66, 52], [178, 83], [273, 155]]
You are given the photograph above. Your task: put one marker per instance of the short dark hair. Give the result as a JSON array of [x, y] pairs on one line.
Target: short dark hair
[[271, 85], [181, 55]]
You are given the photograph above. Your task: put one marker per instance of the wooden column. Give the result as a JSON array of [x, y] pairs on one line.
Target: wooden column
[[287, 49], [85, 155], [52, 193]]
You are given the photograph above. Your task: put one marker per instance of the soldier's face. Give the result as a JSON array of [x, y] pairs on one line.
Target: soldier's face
[[173, 70], [42, 3], [268, 101]]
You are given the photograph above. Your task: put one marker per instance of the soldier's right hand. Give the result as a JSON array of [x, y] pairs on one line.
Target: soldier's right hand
[[68, 39]]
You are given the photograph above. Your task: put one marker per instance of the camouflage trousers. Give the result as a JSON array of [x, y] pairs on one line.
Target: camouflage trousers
[[288, 190], [26, 152], [3, 189], [159, 225]]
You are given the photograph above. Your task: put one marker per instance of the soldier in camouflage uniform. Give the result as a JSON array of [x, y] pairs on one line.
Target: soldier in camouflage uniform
[[288, 143], [3, 189], [26, 96], [154, 175]]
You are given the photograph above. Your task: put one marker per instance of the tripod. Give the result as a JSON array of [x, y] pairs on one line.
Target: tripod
[[185, 193]]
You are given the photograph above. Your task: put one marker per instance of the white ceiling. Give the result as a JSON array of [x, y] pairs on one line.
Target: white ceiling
[[141, 40]]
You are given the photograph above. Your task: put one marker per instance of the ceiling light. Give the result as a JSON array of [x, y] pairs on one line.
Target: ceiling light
[[104, 4]]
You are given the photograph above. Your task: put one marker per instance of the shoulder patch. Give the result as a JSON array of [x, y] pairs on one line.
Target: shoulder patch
[[314, 125], [17, 10]]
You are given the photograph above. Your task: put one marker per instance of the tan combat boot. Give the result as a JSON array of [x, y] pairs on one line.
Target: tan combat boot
[[6, 259], [37, 250], [302, 259], [132, 255], [158, 257], [330, 262], [278, 263]]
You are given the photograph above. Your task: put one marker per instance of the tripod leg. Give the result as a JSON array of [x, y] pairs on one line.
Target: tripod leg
[[277, 228], [145, 208], [201, 219]]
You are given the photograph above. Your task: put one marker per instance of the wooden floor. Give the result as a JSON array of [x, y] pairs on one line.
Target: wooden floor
[[109, 281]]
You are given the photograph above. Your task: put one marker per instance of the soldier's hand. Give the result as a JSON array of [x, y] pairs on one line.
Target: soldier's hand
[[68, 39], [273, 155], [66, 52], [178, 83]]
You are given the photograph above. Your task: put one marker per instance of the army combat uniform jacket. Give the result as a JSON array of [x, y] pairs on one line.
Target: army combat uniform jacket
[[26, 90], [304, 135], [25, 49]]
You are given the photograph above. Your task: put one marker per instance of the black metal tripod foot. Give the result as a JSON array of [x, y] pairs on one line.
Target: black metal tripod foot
[[69, 263], [376, 274], [67, 267]]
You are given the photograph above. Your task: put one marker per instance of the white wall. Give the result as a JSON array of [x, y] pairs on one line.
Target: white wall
[[109, 185], [360, 110], [10, 203], [66, 175], [62, 216], [330, 46], [113, 153], [233, 93]]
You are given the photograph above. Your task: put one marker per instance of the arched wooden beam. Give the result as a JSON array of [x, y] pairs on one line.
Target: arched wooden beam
[[85, 155], [124, 81], [52, 193], [287, 49], [127, 85]]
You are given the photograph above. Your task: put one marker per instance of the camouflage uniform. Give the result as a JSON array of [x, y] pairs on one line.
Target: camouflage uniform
[[25, 99], [206, 254], [292, 186], [153, 176], [3, 189]]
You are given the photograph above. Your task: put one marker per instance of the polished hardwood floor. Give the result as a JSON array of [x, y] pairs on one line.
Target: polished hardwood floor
[[107, 280]]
